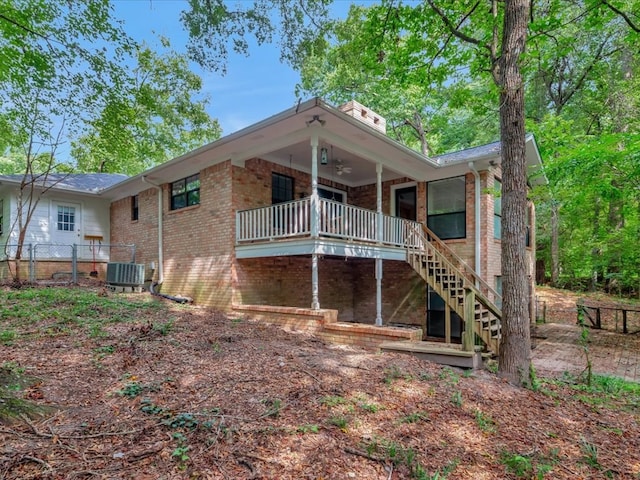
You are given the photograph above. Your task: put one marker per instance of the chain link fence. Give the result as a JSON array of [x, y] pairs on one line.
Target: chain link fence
[[49, 262]]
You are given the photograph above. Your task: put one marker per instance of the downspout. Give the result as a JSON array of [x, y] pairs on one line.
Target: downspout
[[160, 246], [476, 176], [152, 287]]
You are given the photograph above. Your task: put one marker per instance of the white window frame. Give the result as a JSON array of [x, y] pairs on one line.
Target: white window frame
[[400, 186], [335, 190]]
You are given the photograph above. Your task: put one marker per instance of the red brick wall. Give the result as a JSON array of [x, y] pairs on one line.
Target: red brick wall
[[198, 241], [403, 293], [286, 281], [142, 232]]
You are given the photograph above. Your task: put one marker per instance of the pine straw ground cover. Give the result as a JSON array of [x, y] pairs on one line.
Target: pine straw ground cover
[[129, 387]]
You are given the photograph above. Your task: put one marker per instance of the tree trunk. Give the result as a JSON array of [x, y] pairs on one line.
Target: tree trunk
[[515, 348], [555, 245]]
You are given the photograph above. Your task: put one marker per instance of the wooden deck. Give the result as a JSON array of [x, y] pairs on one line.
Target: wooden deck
[[441, 353]]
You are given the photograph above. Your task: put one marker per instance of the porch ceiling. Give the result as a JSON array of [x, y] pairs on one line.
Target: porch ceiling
[[343, 166]]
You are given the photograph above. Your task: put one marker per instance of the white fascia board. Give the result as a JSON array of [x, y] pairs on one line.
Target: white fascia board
[[310, 246]]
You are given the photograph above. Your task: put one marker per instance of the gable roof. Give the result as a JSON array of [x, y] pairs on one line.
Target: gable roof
[[285, 139], [90, 183]]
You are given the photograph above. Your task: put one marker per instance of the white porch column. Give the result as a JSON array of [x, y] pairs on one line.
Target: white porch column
[[379, 238], [315, 215], [378, 292], [379, 201], [315, 302], [315, 204]]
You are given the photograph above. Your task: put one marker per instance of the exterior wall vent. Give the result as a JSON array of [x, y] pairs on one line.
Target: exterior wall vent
[[127, 274]]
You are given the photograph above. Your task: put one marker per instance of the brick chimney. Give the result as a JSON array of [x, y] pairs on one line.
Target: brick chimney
[[365, 115]]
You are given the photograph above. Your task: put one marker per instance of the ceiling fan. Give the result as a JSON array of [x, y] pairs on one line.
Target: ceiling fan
[[341, 167]]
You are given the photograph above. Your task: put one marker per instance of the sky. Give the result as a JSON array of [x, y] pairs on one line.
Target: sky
[[254, 87]]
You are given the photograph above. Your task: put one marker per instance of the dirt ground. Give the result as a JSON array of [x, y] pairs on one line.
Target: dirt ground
[[211, 397]]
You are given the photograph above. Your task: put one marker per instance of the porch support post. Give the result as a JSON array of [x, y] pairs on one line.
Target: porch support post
[[315, 302], [378, 292], [468, 339], [379, 201], [315, 204], [379, 239]]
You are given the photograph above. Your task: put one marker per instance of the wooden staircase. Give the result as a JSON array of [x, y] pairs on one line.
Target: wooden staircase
[[460, 287]]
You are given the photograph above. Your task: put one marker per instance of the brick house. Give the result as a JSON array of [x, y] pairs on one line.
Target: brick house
[[316, 212]]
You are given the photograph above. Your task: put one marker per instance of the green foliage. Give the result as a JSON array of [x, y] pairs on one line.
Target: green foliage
[[392, 373], [59, 310], [159, 116], [369, 407], [308, 428], [531, 465], [485, 422], [604, 391], [408, 457], [332, 400], [7, 336], [590, 454], [274, 407], [131, 389], [414, 417], [183, 421], [164, 328], [67, 78], [449, 376], [339, 421], [180, 452], [12, 381], [456, 398], [215, 28]]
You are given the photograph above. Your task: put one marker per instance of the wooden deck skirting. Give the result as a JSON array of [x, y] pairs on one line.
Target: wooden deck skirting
[[324, 324]]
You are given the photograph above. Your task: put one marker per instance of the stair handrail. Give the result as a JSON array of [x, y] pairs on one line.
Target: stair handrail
[[425, 243], [468, 272]]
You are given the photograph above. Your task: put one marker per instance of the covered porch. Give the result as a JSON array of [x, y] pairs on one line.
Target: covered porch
[[326, 228]]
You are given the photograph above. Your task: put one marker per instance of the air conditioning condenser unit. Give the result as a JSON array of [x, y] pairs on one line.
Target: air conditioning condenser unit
[[125, 274]]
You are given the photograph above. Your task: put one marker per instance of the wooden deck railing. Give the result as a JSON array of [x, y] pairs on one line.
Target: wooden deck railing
[[335, 219], [462, 266]]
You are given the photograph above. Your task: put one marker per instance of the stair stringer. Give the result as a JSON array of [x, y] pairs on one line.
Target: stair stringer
[[456, 288]]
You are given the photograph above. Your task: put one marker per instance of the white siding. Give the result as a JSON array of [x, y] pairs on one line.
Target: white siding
[[92, 218]]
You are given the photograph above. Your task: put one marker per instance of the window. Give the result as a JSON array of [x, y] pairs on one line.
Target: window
[[1, 216], [185, 192], [499, 290], [331, 194], [446, 208], [66, 218], [281, 188], [134, 207], [405, 202], [497, 209]]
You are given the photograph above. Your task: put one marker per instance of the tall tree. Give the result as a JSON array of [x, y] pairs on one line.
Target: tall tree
[[64, 73], [154, 118]]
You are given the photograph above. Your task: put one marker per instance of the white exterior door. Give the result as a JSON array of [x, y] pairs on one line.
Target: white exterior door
[[66, 223]]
